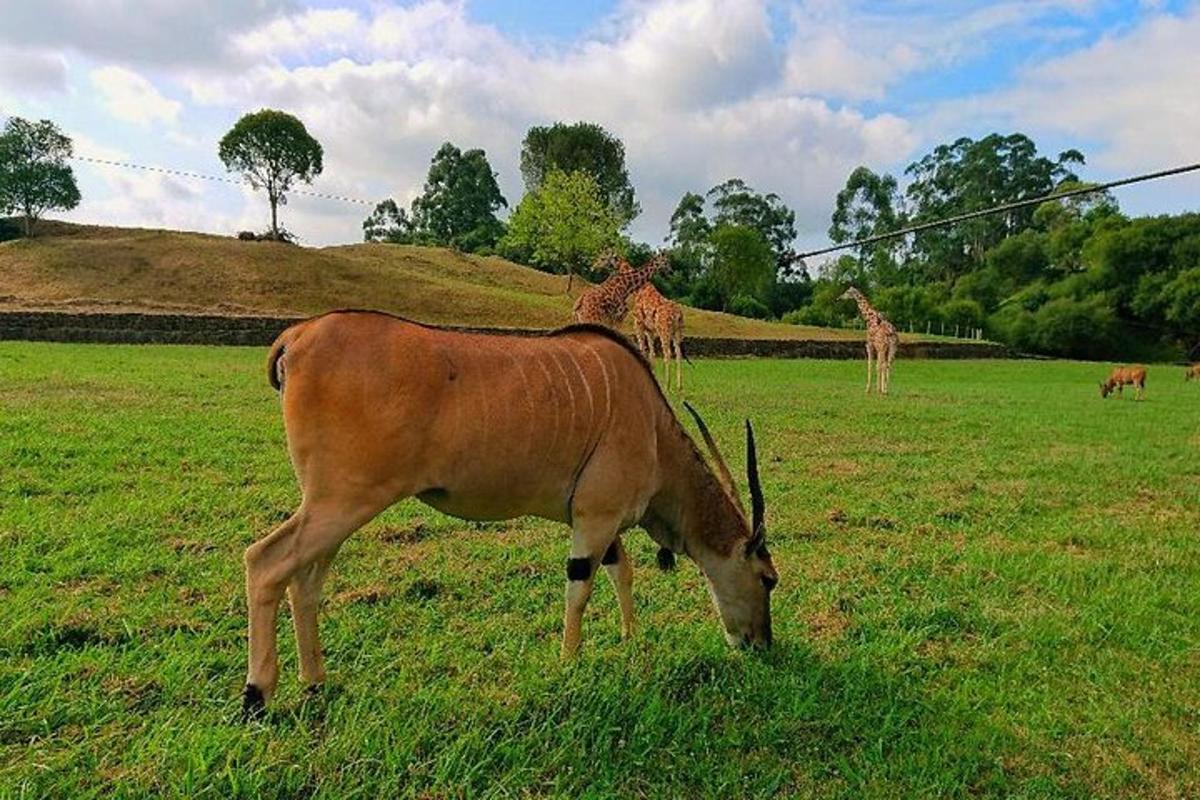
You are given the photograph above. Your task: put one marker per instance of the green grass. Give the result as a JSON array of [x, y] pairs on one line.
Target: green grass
[[990, 587]]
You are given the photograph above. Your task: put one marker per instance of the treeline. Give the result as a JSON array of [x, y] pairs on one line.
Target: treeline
[[1072, 277]]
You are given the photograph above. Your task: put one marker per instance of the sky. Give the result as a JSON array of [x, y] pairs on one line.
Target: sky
[[790, 96]]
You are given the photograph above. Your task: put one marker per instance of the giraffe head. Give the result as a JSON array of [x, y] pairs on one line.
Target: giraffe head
[[608, 260], [851, 294]]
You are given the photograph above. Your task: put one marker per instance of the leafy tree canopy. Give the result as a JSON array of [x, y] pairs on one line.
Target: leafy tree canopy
[[272, 150], [34, 174], [563, 225], [580, 147], [456, 209]]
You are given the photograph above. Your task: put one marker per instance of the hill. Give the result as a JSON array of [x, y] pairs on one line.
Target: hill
[[91, 268]]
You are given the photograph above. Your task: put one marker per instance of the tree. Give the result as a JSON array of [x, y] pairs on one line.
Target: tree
[[34, 174], [867, 207], [688, 240], [970, 175], [735, 203], [459, 204], [272, 150], [580, 147], [563, 225], [743, 266], [388, 223]]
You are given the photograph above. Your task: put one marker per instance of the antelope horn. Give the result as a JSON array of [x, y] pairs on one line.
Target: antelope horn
[[722, 467], [758, 525]]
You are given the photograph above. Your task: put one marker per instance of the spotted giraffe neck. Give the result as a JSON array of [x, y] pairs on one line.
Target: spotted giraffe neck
[[868, 311]]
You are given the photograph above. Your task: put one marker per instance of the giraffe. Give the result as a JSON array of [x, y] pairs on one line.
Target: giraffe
[[656, 316], [882, 340], [608, 303]]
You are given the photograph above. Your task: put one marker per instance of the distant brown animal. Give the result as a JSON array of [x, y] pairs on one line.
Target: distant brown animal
[[1192, 372], [1125, 376], [569, 426]]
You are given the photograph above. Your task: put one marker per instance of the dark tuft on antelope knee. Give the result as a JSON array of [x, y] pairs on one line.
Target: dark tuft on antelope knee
[[254, 705], [611, 556], [579, 569], [666, 559]]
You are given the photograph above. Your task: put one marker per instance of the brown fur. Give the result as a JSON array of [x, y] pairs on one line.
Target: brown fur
[[1192, 372], [1121, 377], [569, 426]]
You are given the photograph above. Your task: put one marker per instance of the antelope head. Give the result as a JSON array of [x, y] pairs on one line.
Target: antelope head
[[1106, 388], [741, 580]]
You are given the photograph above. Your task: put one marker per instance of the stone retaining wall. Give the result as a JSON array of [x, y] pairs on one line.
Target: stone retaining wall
[[116, 328]]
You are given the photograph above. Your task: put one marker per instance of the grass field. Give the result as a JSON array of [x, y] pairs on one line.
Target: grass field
[[990, 587], [93, 268]]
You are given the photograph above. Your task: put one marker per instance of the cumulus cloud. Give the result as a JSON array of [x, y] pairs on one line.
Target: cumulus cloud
[[857, 50], [1140, 110], [130, 97], [698, 90], [693, 88], [137, 31], [27, 71]]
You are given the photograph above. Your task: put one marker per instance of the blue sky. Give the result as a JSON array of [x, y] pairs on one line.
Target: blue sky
[[789, 95]]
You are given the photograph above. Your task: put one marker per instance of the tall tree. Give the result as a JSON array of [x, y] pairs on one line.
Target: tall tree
[[580, 147], [459, 204], [969, 175], [867, 207], [735, 203], [34, 174], [272, 150], [743, 266], [563, 225], [388, 223]]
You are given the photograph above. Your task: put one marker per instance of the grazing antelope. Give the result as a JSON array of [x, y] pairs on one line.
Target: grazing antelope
[[882, 340], [1121, 377], [608, 303], [1192, 372], [569, 426]]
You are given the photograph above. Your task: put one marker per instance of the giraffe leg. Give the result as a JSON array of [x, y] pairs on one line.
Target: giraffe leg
[[677, 346], [868, 367], [664, 344]]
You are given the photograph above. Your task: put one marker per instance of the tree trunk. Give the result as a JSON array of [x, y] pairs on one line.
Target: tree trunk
[[274, 217], [28, 226], [570, 277]]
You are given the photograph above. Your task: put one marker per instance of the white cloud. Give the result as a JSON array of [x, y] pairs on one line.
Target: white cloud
[[27, 71], [130, 97], [856, 51], [692, 87], [1133, 96], [136, 31]]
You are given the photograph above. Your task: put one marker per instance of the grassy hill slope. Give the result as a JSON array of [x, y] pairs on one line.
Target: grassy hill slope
[[128, 269]]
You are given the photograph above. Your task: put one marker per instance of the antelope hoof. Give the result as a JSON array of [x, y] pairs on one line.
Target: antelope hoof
[[254, 705]]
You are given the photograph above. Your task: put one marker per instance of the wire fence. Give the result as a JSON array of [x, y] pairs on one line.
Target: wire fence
[[183, 173]]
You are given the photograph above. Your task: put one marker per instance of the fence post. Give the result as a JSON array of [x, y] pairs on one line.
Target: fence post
[[928, 325], [956, 331]]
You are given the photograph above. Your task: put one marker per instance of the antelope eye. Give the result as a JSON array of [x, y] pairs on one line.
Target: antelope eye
[[768, 582]]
